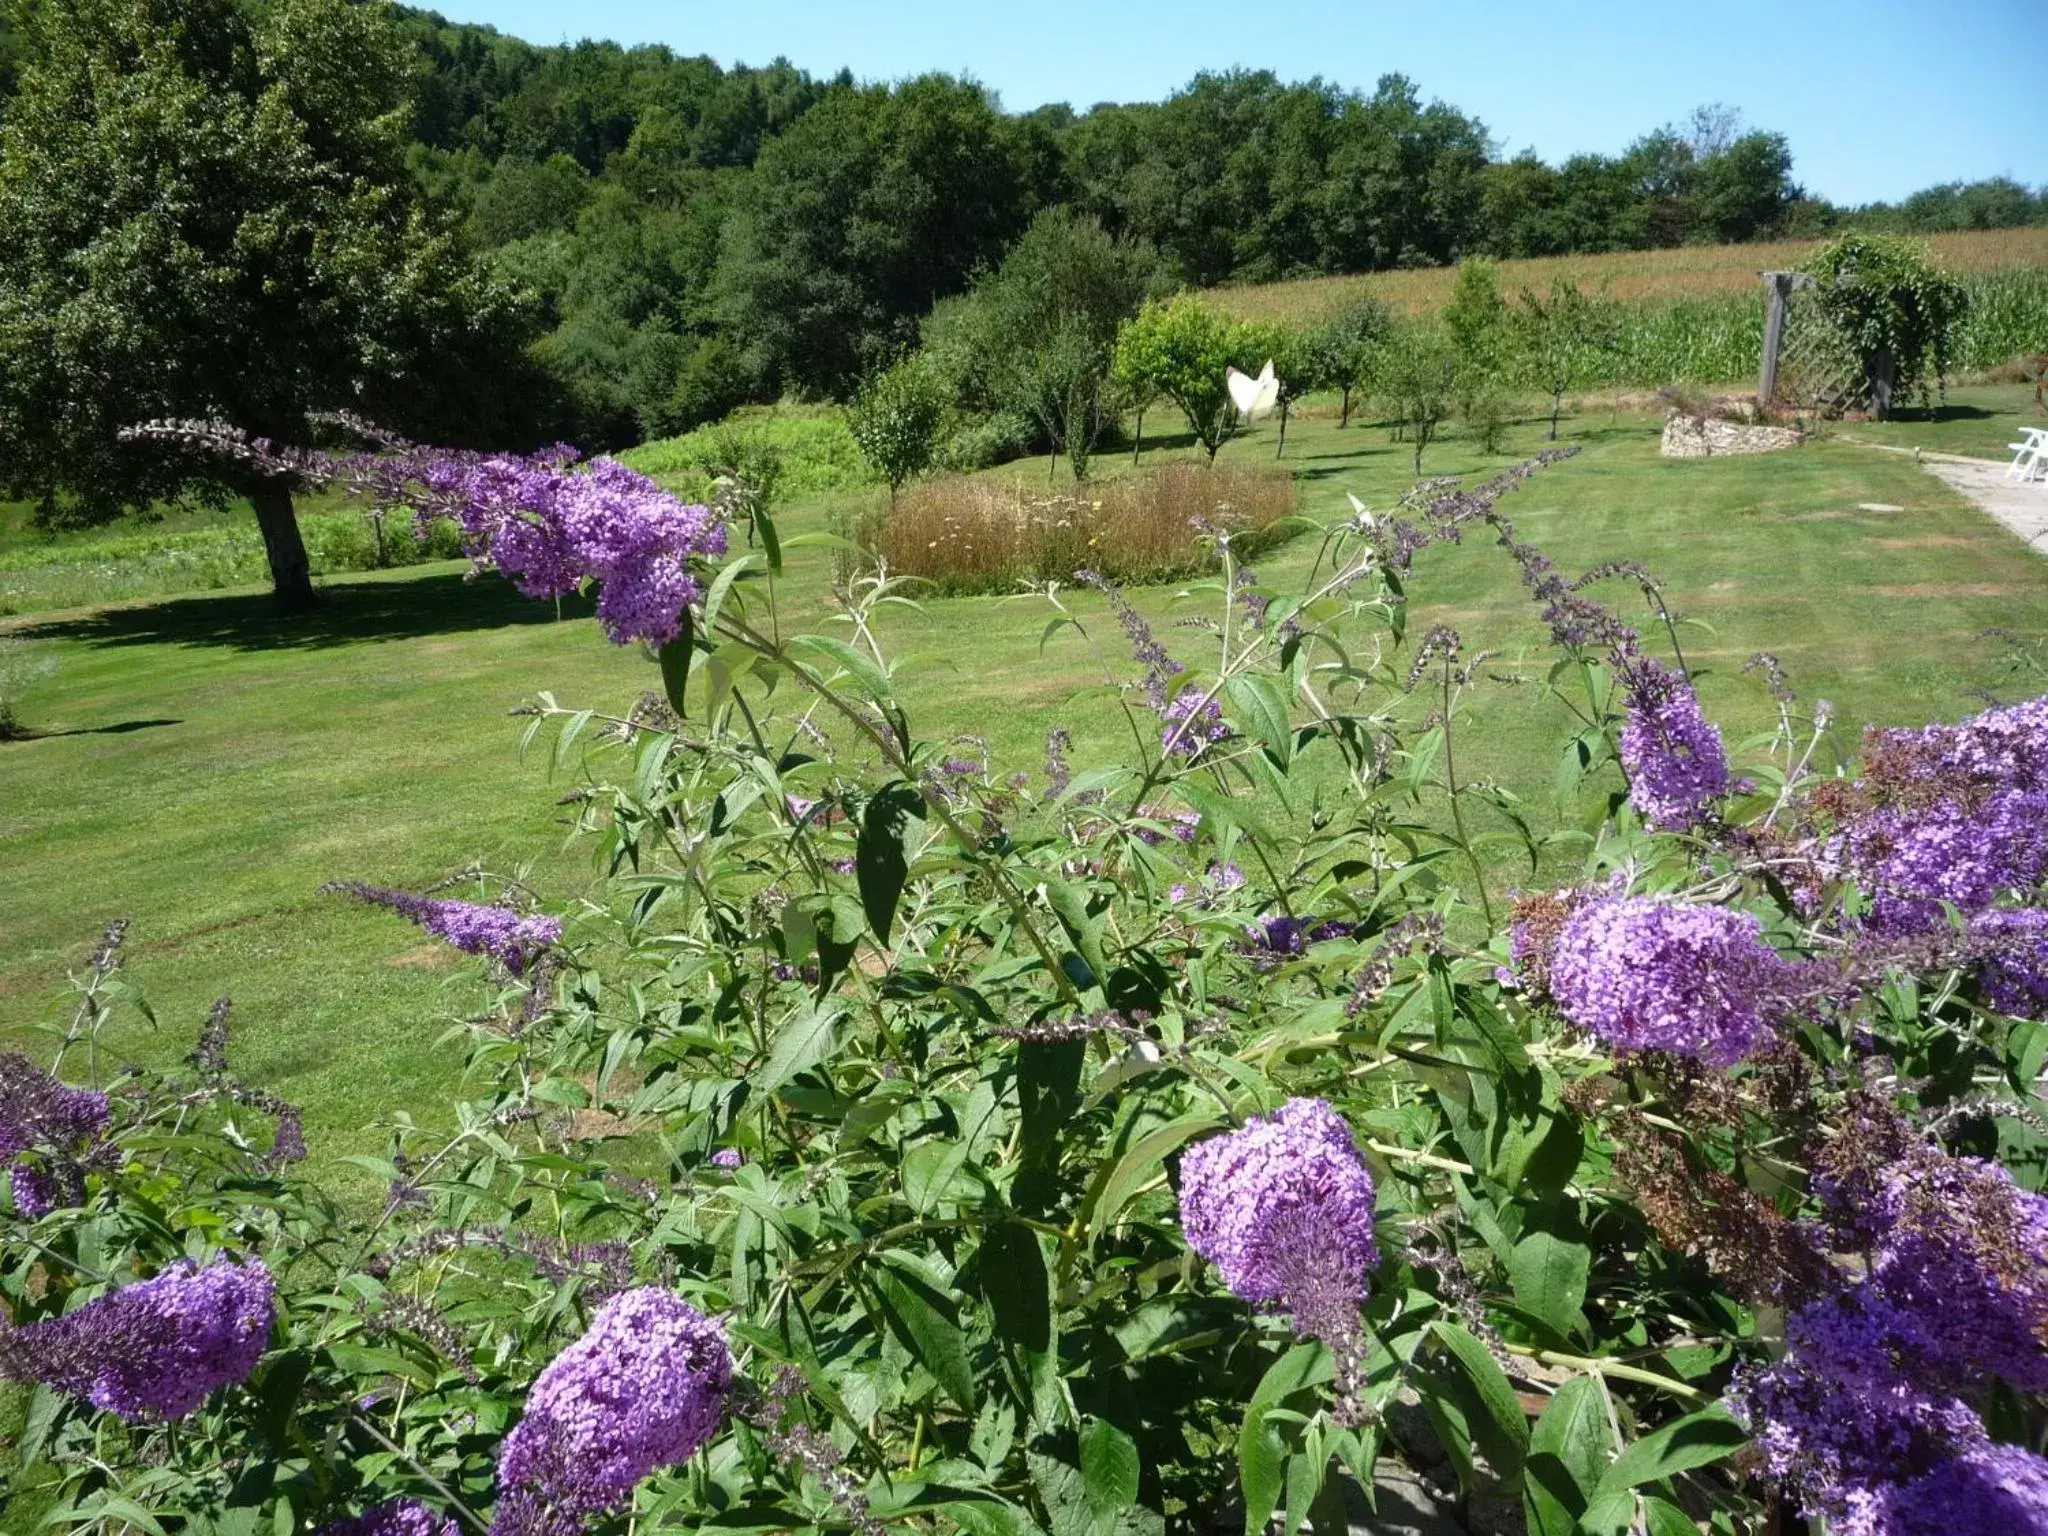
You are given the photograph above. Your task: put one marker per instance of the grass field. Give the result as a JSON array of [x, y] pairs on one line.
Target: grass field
[[1652, 277], [206, 766]]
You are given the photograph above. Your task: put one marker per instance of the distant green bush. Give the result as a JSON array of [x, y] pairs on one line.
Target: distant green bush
[[817, 448], [982, 442]]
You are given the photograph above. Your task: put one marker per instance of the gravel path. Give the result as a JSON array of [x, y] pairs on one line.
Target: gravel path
[[2021, 505]]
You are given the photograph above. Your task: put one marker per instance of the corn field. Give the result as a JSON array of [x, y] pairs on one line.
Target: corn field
[[1695, 314]]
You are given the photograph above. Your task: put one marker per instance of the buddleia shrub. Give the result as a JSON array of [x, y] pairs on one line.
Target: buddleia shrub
[[909, 1140]]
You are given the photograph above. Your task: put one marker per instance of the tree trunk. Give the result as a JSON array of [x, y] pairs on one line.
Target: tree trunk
[[1281, 451], [291, 574], [1556, 405], [1138, 438], [1884, 379], [1344, 419]]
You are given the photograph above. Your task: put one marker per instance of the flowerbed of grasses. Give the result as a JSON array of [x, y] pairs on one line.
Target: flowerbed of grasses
[[967, 535]]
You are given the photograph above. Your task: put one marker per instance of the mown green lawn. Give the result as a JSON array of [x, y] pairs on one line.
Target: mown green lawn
[[205, 767]]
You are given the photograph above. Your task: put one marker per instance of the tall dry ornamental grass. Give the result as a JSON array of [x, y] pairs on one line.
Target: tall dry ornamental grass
[[984, 535]]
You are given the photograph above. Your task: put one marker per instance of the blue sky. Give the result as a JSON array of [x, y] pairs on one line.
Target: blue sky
[[1878, 97]]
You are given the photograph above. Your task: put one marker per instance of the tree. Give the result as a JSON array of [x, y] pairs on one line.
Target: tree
[[1893, 306], [1475, 316], [1035, 335], [204, 212], [1304, 361], [1352, 339], [878, 202], [1744, 191], [1418, 374], [1562, 339], [895, 420], [1181, 349]]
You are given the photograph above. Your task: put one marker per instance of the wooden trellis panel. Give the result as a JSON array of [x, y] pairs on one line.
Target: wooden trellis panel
[[1807, 364]]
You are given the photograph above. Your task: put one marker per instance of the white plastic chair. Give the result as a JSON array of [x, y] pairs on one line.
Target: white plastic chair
[[2029, 455]]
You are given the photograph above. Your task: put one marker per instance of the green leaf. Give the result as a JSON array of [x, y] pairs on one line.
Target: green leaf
[[1568, 1455], [862, 669], [1696, 1440], [362, 1360], [1262, 1455], [771, 542], [919, 1316], [1117, 1184], [675, 665], [1549, 1274], [1500, 1425], [1109, 1467], [892, 821], [802, 1043], [1017, 1284], [1258, 703]]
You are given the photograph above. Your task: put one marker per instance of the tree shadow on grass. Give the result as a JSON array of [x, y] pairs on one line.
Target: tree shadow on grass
[[348, 613], [1947, 412], [121, 729]]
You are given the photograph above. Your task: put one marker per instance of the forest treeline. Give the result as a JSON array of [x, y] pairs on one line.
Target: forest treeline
[[690, 237]]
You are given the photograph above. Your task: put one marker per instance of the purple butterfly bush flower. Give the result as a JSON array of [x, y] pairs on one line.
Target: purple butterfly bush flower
[[549, 526], [2014, 971], [1998, 1488], [510, 937], [1868, 1415], [1221, 879], [1912, 859], [34, 1191], [1283, 1207], [1181, 826], [57, 1123], [642, 1390], [1192, 723], [1279, 936], [395, 1517], [38, 1111], [155, 1350], [1844, 1410], [1650, 975], [1962, 1249], [1673, 755], [1959, 815]]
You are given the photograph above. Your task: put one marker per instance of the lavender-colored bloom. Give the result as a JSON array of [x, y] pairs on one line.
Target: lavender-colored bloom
[[1221, 879], [38, 1111], [1192, 722], [1963, 1250], [642, 1390], [395, 1517], [1647, 975], [1283, 1207], [1914, 858], [727, 1157], [1160, 668], [35, 1192], [510, 937], [2014, 971], [1279, 935], [153, 1350], [1183, 826], [1988, 1488], [1846, 1409], [1673, 756], [550, 527]]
